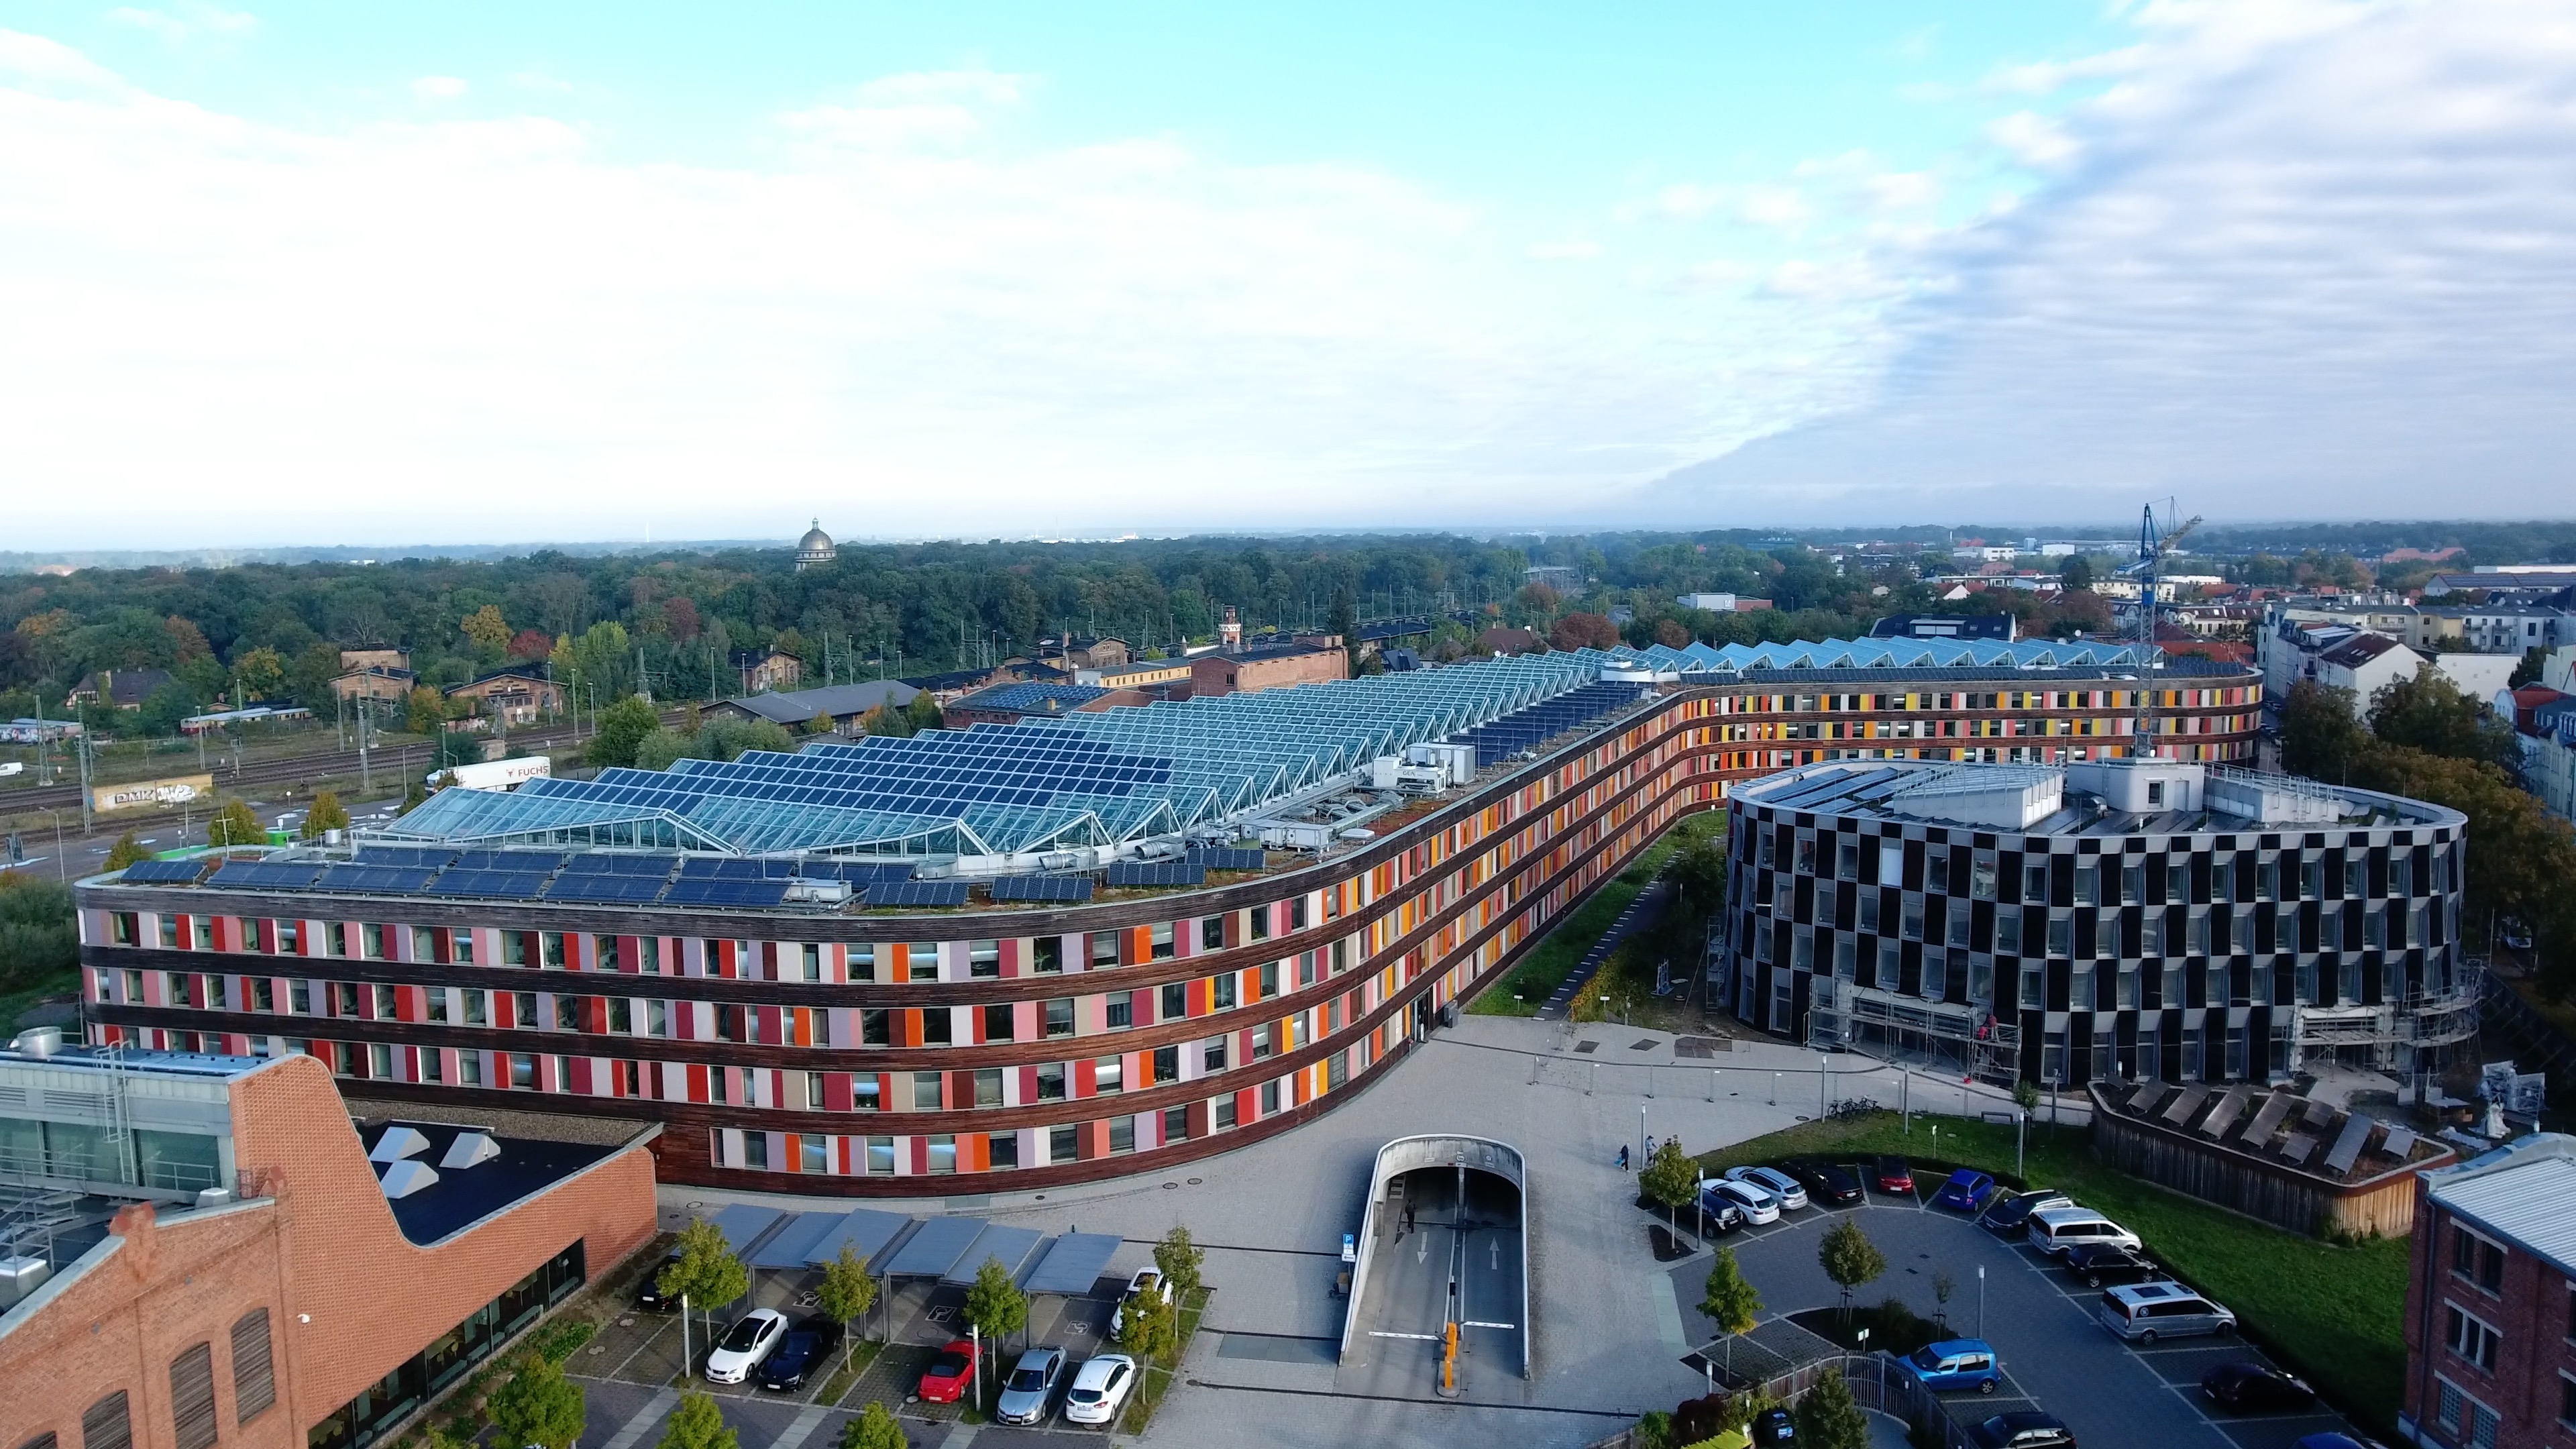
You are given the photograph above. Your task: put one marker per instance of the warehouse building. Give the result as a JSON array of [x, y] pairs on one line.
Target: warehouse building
[[2107, 921], [1049, 947]]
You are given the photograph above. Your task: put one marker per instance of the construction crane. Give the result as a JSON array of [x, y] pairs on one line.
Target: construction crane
[[2152, 547]]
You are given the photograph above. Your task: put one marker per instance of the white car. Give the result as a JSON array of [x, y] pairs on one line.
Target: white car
[[1100, 1389], [1146, 1280], [1758, 1206], [1773, 1181], [750, 1340]]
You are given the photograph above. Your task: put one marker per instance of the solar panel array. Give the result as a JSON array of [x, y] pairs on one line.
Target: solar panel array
[[918, 893], [490, 884], [164, 872], [722, 891], [1061, 888], [1500, 739], [1227, 857], [377, 880], [1157, 873], [435, 858], [252, 875]]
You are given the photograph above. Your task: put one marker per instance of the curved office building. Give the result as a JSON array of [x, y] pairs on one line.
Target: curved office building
[[2102, 921], [1062, 951]]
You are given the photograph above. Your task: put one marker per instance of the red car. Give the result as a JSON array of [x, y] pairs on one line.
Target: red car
[[1893, 1175], [951, 1371]]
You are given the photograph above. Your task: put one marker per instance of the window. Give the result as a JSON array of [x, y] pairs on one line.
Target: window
[[1261, 1041], [1059, 1017], [1221, 991], [2177, 882], [2155, 792], [523, 1072], [984, 958], [2475, 1258], [1212, 934], [921, 961], [876, 1027], [192, 1396], [469, 1069], [514, 948], [997, 1022], [384, 1003], [1119, 1011], [988, 1087], [1221, 1113], [862, 962], [1107, 1075], [1260, 919], [1064, 1144], [1104, 950], [866, 1092], [621, 1015], [1161, 938], [938, 1026], [1047, 955], [372, 942], [1937, 868], [1167, 1064], [1269, 1097], [568, 1013], [811, 954], [2061, 936], [1869, 910], [2008, 932], [881, 1156], [755, 1151], [1122, 1134], [1176, 1001], [254, 1373], [1269, 979], [551, 950], [2086, 879], [1002, 1150], [1847, 860], [813, 1153], [2034, 884], [105, 1425], [1051, 1082], [1212, 1059], [2469, 1338], [2133, 885], [925, 1091], [1176, 1125], [1981, 877], [436, 997], [814, 1092]]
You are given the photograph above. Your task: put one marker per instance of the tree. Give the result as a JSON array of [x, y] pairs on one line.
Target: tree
[[874, 1428], [847, 1292], [538, 1406], [39, 937], [1729, 1301], [1147, 1326], [414, 793], [235, 825], [1180, 1262], [1828, 1417], [706, 1273], [2078, 574], [125, 852], [424, 710], [456, 747], [698, 1424], [487, 629], [531, 645], [995, 1304], [1943, 1287], [260, 673], [1850, 1259], [1584, 631], [2429, 713], [326, 814], [2320, 735], [169, 704], [1670, 1177], [622, 727], [1344, 623], [308, 678], [923, 712]]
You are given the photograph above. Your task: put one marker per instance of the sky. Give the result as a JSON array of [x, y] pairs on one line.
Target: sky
[[310, 274]]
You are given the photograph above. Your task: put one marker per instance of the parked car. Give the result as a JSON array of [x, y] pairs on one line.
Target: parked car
[[951, 1372], [1030, 1390], [2149, 1311], [1956, 1363], [648, 1294], [805, 1347], [1719, 1214], [1145, 1280], [1758, 1206], [1771, 1426], [1100, 1389], [1773, 1181], [2029, 1429], [1826, 1182], [1892, 1175], [2099, 1265], [1966, 1191], [2247, 1387], [750, 1340], [2058, 1230], [2010, 1216], [2517, 936]]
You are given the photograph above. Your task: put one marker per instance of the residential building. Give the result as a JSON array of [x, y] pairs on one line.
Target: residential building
[[2491, 1301], [815, 549], [510, 698], [2364, 664], [376, 657], [838, 708], [206, 1249], [120, 688], [1074, 652], [765, 670], [2112, 920], [2529, 580], [1242, 671], [745, 953], [374, 681], [2517, 629]]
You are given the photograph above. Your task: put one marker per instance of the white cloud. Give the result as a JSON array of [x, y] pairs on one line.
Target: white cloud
[[438, 87], [185, 21], [2306, 257]]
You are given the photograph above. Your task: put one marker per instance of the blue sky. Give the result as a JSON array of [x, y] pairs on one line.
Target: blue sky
[[307, 273]]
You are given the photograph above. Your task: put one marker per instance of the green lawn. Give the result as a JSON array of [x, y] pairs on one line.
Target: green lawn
[[12, 1003], [1564, 946], [2333, 1313]]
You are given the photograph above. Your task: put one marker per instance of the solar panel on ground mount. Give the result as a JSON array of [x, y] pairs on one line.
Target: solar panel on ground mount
[[380, 880], [490, 884], [1073, 888], [617, 888], [700, 891], [163, 872], [917, 893], [1225, 857]]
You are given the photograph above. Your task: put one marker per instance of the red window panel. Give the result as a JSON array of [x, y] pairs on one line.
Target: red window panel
[[920, 1154], [1015, 954], [836, 1091], [1085, 1078], [1028, 1083]]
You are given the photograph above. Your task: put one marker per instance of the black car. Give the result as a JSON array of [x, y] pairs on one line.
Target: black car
[[648, 1294], [1714, 1214], [804, 1349], [1827, 1185], [2010, 1216], [2098, 1265], [2246, 1387], [1772, 1426], [2028, 1429]]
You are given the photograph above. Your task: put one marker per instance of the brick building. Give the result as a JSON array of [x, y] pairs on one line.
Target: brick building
[[2491, 1301], [510, 697], [227, 1267], [1241, 671]]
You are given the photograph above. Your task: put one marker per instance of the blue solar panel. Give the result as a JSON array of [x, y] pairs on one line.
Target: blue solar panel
[[1214, 857], [1074, 888], [858, 872], [703, 891], [163, 872], [658, 866], [1133, 873], [261, 876], [436, 858], [543, 861], [716, 867], [371, 879], [918, 893], [490, 884], [623, 888]]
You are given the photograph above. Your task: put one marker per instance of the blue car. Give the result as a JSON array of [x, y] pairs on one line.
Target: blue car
[[1956, 1363], [1966, 1191]]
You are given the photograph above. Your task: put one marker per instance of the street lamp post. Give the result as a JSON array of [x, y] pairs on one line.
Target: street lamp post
[[1981, 1300], [1824, 1086]]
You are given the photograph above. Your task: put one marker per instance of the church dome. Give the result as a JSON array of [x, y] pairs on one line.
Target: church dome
[[815, 548], [815, 538]]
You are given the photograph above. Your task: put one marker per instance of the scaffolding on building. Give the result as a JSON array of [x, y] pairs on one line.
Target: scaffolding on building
[[1936, 1035]]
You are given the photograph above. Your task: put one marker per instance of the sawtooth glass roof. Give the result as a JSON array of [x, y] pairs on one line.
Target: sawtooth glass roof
[[1083, 780]]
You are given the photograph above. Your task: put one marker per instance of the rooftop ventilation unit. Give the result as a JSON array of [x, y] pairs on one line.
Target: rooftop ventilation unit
[[397, 1144], [470, 1149], [405, 1178]]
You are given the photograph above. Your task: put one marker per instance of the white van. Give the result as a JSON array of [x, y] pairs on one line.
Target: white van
[[2149, 1311], [2057, 1229]]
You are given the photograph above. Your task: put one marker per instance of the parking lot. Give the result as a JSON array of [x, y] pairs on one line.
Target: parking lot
[[2055, 1354]]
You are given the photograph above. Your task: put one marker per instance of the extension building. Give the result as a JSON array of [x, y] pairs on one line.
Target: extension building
[[2106, 921], [2491, 1300], [1050, 947]]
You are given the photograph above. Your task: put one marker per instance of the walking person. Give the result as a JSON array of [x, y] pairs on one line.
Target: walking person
[[1408, 1215], [1623, 1157]]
